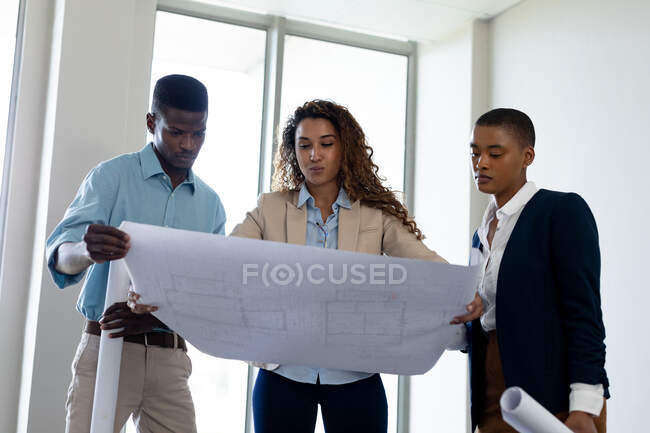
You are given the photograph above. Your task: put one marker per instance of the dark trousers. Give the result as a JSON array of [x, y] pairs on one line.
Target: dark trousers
[[286, 406]]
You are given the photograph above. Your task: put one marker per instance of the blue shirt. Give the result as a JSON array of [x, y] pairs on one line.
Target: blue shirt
[[130, 187], [324, 234]]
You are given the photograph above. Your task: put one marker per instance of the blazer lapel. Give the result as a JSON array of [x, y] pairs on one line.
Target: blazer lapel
[[511, 252], [296, 224], [349, 220]]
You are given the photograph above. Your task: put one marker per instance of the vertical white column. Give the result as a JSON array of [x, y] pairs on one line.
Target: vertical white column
[[21, 194], [480, 82], [442, 205], [96, 95]]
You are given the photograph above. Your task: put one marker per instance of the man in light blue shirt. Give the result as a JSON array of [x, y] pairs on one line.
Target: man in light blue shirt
[[153, 186]]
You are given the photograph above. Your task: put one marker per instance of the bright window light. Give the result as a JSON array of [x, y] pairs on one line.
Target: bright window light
[[371, 84]]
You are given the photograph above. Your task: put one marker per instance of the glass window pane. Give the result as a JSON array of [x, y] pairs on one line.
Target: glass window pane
[[372, 85], [8, 25], [229, 60]]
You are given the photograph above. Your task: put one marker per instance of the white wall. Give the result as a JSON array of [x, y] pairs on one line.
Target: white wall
[[452, 86], [580, 69], [93, 108]]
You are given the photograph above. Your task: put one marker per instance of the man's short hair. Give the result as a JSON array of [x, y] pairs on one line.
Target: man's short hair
[[181, 92], [516, 122]]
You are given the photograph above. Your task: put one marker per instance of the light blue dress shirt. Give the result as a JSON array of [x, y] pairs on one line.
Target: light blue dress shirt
[[324, 234], [130, 187]]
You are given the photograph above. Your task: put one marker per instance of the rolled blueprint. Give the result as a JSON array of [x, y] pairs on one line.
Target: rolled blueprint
[[523, 413], [110, 356]]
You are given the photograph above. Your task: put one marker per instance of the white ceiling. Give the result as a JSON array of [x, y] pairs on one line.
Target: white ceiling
[[419, 20]]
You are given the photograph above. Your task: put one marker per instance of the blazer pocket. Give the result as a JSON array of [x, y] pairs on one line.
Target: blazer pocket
[[368, 230]]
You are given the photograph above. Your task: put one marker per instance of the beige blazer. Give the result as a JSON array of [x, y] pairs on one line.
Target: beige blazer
[[361, 228]]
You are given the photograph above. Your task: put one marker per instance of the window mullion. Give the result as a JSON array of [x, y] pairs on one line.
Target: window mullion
[[404, 382], [11, 125], [273, 63], [272, 98], [409, 147]]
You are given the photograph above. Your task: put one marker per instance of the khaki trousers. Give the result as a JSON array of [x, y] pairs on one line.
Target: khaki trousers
[[153, 388], [491, 420]]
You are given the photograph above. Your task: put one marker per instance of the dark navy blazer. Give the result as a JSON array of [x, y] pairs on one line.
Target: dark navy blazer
[[549, 322]]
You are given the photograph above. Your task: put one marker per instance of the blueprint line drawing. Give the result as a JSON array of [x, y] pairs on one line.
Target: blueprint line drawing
[[272, 302], [287, 304]]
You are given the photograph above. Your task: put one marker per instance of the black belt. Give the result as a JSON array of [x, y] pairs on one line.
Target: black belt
[[161, 339]]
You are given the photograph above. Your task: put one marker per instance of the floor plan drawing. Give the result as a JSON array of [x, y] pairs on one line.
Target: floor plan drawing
[[270, 302]]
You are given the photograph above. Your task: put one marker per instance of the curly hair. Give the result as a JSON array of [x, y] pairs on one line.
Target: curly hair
[[358, 175]]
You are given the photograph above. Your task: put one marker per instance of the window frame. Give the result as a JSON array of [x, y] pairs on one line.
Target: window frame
[[277, 27], [11, 126]]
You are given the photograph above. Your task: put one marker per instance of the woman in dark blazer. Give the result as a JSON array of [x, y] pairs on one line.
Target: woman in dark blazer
[[542, 329]]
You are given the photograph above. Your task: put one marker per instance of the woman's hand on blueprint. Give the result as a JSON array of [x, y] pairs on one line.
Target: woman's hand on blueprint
[[474, 311]]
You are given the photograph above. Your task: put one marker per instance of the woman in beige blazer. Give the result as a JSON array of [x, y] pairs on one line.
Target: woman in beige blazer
[[327, 193]]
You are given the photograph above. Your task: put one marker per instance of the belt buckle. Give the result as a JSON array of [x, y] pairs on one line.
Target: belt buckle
[[146, 342]]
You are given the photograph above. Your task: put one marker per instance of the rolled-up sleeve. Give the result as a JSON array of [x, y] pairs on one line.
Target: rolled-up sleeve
[[91, 205]]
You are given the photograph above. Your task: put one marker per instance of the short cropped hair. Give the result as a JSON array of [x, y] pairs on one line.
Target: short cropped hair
[[516, 122], [181, 92]]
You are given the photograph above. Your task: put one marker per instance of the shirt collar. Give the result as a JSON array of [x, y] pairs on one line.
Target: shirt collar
[[514, 205], [342, 200], [151, 166], [149, 162]]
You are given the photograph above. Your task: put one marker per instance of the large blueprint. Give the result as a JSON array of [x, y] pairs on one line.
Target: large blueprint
[[273, 302], [288, 304]]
